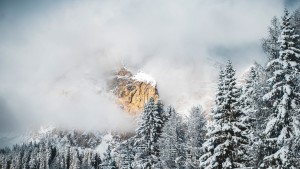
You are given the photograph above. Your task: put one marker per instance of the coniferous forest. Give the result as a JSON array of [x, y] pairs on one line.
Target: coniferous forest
[[250, 125]]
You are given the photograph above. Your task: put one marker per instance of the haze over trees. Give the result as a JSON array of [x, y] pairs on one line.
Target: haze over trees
[[254, 124]]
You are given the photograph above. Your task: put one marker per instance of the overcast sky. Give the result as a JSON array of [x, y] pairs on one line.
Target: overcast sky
[[55, 55]]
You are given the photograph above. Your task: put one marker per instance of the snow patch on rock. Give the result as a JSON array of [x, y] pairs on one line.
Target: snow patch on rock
[[143, 77]]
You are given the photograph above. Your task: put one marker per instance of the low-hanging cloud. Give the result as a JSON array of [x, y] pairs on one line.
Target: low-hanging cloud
[[55, 57]]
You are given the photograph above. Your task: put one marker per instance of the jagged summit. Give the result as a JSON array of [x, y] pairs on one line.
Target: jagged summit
[[132, 91]]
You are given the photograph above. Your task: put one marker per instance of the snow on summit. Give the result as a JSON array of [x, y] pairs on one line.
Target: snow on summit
[[143, 77]]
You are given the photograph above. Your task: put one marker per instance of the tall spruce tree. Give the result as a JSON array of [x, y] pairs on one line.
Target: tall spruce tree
[[270, 44], [295, 21], [223, 148], [259, 88], [171, 143], [248, 105], [125, 154], [147, 136], [283, 123], [196, 134], [249, 108]]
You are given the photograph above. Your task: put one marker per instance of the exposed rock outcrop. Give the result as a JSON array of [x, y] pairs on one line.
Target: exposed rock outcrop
[[132, 91]]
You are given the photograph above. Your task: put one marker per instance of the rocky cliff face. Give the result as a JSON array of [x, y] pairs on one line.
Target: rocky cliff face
[[132, 91]]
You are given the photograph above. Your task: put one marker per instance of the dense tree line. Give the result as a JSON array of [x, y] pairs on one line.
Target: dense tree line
[[44, 155], [251, 125]]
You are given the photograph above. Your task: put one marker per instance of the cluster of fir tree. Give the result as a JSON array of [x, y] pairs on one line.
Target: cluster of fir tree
[[257, 125], [59, 149], [254, 125], [163, 139], [46, 155]]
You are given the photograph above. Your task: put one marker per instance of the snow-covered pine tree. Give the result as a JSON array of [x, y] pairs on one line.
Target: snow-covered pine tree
[[17, 160], [63, 163], [260, 88], [67, 156], [86, 160], [147, 135], [223, 148], [196, 134], [171, 143], [249, 108], [2, 161], [95, 160], [248, 104], [283, 123], [49, 154], [26, 158], [108, 161], [295, 21], [33, 160], [262, 112], [75, 162], [125, 155], [6, 162], [270, 44], [42, 156], [56, 163], [164, 114]]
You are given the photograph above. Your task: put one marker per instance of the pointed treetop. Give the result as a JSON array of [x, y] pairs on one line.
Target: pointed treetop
[[286, 14], [229, 65], [286, 19]]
